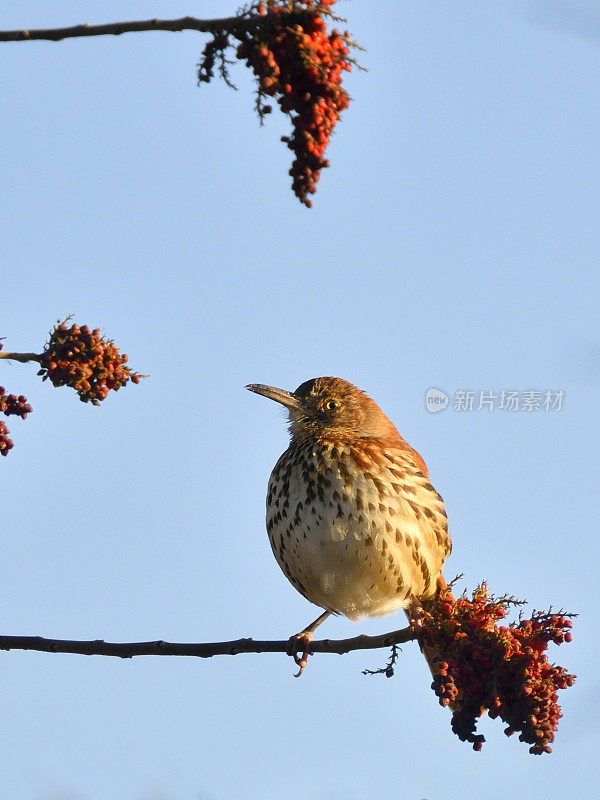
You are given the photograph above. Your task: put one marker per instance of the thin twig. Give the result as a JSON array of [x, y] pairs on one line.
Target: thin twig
[[238, 23], [98, 647], [22, 357]]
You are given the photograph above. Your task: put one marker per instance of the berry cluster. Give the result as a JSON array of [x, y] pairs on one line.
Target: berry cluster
[[15, 405], [6, 443], [503, 669], [86, 361], [296, 61], [11, 404]]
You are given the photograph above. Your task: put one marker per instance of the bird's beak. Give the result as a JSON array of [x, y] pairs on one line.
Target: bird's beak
[[286, 399]]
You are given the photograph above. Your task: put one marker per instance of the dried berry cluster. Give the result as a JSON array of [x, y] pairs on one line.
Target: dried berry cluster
[[499, 668], [11, 404], [299, 63], [6, 443], [15, 405], [84, 360]]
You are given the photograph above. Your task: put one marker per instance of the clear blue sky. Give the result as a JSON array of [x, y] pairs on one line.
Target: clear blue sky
[[453, 243]]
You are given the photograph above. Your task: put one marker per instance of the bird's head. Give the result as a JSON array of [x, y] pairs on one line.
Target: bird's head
[[330, 407]]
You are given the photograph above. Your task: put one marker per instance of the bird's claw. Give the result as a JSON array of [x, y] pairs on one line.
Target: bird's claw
[[302, 662], [302, 639]]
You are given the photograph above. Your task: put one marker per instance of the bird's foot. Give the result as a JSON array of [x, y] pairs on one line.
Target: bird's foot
[[302, 639]]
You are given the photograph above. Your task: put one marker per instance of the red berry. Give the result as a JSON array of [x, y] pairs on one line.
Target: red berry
[[301, 65], [503, 669], [85, 361]]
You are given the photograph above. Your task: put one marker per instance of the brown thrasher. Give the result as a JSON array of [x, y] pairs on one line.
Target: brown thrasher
[[352, 518]]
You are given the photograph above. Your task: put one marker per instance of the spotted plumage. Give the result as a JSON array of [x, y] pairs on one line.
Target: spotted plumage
[[353, 520], [356, 542]]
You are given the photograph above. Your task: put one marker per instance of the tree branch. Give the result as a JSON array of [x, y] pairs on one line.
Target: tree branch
[[117, 28], [22, 357], [97, 647]]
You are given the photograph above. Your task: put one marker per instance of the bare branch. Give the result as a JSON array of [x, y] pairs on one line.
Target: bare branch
[[98, 647], [22, 357], [231, 24]]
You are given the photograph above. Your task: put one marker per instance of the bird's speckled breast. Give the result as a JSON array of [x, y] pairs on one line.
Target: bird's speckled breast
[[357, 529]]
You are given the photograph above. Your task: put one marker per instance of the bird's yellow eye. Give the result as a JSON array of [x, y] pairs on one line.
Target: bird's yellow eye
[[330, 405]]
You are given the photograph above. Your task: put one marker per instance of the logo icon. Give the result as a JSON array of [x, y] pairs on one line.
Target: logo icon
[[435, 400]]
